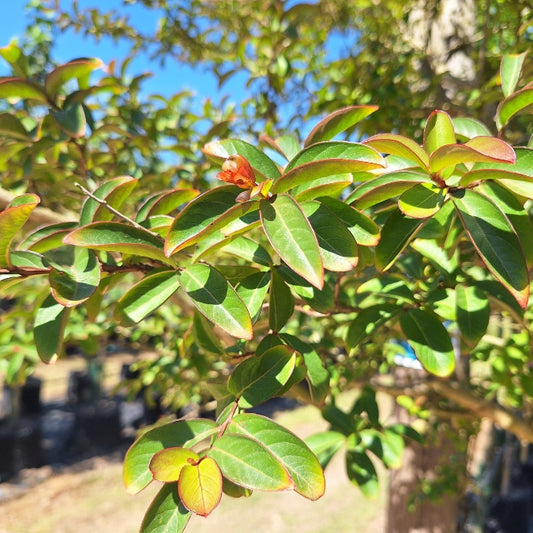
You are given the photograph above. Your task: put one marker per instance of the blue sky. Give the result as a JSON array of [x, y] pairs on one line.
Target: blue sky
[[172, 79]]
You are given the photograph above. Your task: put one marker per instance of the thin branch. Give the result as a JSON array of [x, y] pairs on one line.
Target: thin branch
[[113, 210]]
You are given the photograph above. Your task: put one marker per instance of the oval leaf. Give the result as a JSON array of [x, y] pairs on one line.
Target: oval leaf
[[394, 144], [292, 237], [166, 465], [181, 433], [166, 512], [338, 122], [118, 237], [281, 302], [146, 296], [429, 340], [200, 486], [290, 451], [421, 201], [217, 300], [472, 313], [438, 131], [495, 240], [248, 463], [258, 379], [77, 68]]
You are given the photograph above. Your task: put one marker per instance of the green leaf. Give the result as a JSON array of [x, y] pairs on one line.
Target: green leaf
[[200, 215], [21, 88], [392, 286], [47, 238], [290, 451], [367, 321], [292, 237], [387, 446], [321, 300], [337, 245], [246, 462], [249, 250], [75, 69], [118, 237], [258, 379], [216, 299], [363, 228], [166, 512], [510, 69], [495, 240], [396, 234], [11, 221], [421, 201], [114, 191], [329, 186], [520, 102], [515, 212], [327, 159], [438, 131], [317, 376], [184, 433], [75, 283], [165, 202], [325, 445], [472, 313], [429, 340], [398, 145], [204, 336], [338, 122], [12, 127], [146, 296], [467, 128], [281, 302], [71, 120], [362, 473], [286, 145], [48, 329], [262, 165], [385, 187], [252, 290]]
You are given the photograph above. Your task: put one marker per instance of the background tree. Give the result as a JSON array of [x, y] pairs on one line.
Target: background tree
[[67, 130]]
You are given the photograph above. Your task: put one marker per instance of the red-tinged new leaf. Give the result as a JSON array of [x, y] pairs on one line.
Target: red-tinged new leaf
[[495, 240], [292, 237], [394, 144], [181, 433], [438, 131], [478, 149], [166, 465], [71, 120], [75, 69], [338, 122], [467, 128], [11, 221], [200, 486], [165, 202]]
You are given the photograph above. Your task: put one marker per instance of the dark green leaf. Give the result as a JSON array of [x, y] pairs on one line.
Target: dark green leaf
[[473, 313], [252, 289], [166, 512], [293, 238], [429, 340], [217, 300], [71, 120]]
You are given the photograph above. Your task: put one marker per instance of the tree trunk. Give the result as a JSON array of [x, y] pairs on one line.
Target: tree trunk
[[408, 512]]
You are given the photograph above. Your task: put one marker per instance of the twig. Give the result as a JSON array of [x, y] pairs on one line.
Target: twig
[[113, 210]]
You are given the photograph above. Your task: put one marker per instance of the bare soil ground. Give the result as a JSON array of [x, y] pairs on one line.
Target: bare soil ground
[[89, 497]]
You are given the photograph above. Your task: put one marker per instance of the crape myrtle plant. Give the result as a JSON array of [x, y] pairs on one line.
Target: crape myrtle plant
[[301, 270]]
